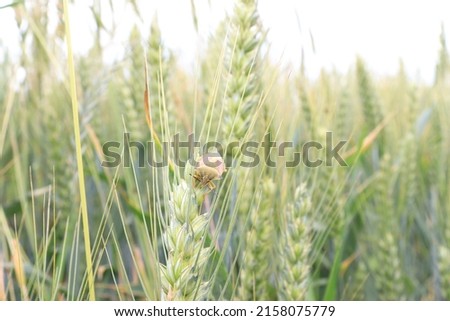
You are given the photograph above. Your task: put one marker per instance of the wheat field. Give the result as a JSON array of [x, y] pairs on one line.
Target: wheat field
[[95, 204]]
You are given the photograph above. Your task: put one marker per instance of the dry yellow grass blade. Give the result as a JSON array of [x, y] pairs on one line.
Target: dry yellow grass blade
[[18, 257], [76, 125], [2, 278], [18, 264], [368, 140]]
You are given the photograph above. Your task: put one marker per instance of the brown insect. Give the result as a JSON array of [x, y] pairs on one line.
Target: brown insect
[[209, 167]]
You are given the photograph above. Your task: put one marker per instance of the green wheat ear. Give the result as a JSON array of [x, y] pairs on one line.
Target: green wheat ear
[[257, 262], [408, 173], [444, 260], [295, 248], [308, 115], [184, 238], [243, 93], [159, 75], [444, 268], [385, 262], [61, 160], [368, 97], [443, 65], [132, 89]]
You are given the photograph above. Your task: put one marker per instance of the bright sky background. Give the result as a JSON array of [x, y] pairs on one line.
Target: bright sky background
[[380, 31]]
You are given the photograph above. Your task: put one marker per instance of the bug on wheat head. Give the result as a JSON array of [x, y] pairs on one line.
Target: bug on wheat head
[[208, 167]]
